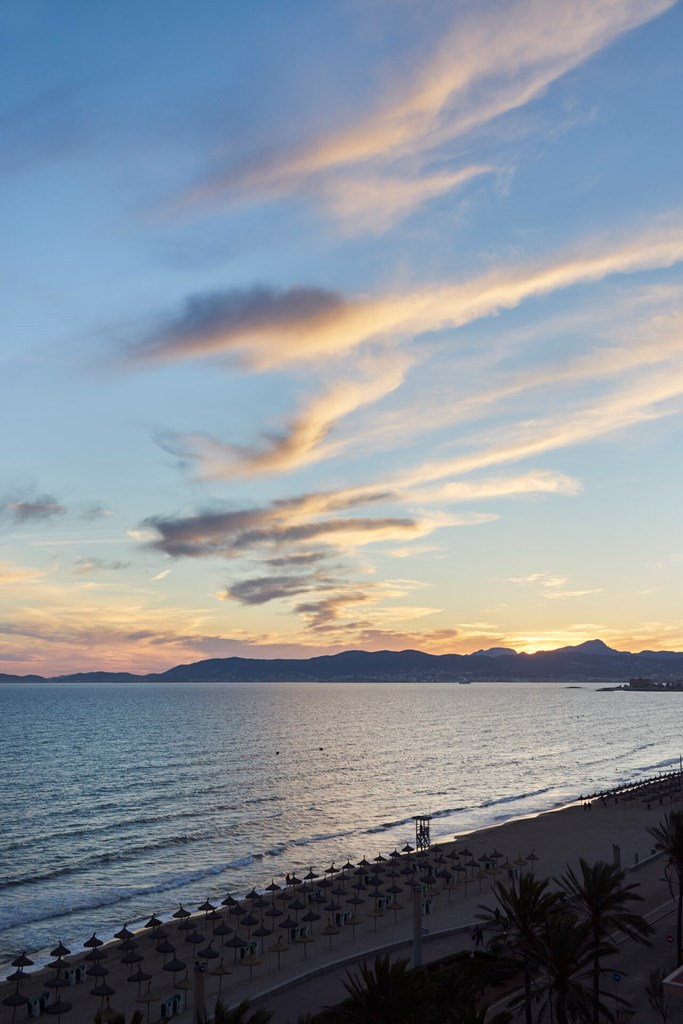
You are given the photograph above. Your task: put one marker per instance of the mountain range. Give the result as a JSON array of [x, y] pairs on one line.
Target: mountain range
[[592, 661]]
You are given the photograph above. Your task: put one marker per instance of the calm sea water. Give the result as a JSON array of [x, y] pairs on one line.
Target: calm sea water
[[122, 800]]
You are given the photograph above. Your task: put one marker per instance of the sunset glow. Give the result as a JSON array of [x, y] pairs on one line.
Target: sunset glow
[[339, 326]]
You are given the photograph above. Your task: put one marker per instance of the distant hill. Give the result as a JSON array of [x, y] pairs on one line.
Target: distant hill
[[592, 661]]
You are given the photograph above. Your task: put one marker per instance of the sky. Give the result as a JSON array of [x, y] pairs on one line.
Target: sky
[[334, 325]]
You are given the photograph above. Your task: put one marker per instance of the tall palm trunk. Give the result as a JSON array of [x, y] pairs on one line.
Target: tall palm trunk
[[527, 996], [596, 976]]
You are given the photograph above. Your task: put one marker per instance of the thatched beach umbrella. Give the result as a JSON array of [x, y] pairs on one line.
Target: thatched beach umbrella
[[195, 939], [58, 1008], [139, 976], [206, 907], [297, 905], [236, 942], [166, 948], [279, 947], [109, 1014], [174, 967], [185, 984], [251, 962], [148, 997], [124, 933], [354, 920], [181, 914], [153, 924], [330, 930], [303, 940], [310, 917], [249, 922], [15, 1000], [208, 953], [102, 991], [221, 930], [132, 958], [261, 932], [22, 961], [219, 971]]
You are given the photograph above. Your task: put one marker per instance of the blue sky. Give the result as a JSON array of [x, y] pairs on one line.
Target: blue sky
[[339, 325]]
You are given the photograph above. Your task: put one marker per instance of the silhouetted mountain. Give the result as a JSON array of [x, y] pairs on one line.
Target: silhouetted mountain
[[494, 652], [592, 661]]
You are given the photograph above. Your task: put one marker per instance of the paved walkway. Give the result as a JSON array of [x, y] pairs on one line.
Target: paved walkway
[[633, 964]]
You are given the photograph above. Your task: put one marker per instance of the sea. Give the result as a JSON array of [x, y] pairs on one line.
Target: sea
[[123, 800]]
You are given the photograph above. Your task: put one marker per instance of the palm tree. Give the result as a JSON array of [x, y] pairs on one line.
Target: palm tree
[[561, 955], [451, 993], [522, 911], [600, 897], [382, 994], [668, 836]]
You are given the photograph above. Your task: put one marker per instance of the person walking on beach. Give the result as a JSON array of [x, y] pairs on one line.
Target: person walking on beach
[[478, 936]]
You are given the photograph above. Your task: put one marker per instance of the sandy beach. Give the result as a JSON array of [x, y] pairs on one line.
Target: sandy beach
[[377, 906]]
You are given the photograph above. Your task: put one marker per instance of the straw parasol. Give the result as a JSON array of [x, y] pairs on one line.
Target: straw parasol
[[148, 997], [165, 948], [206, 907], [208, 953], [236, 942], [249, 921], [185, 984], [58, 1008], [330, 930], [15, 1000], [261, 932], [251, 962], [310, 917], [174, 966], [279, 947], [139, 976], [109, 1013], [304, 940], [219, 971], [102, 991]]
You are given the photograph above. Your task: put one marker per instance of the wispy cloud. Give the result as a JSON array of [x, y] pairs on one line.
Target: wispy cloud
[[493, 59], [229, 534], [18, 574], [364, 204], [90, 565], [553, 587], [32, 510], [270, 327], [532, 482], [303, 440], [161, 575]]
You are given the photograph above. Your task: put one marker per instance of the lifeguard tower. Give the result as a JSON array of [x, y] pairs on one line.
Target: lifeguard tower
[[422, 840]]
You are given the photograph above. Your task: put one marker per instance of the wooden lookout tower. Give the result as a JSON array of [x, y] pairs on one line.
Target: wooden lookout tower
[[422, 840]]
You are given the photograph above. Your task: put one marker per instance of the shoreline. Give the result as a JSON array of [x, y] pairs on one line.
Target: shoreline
[[666, 779], [611, 825]]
